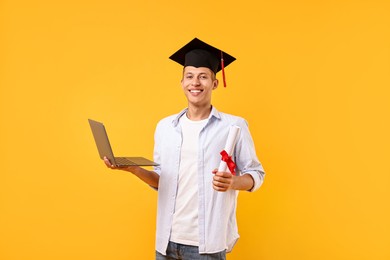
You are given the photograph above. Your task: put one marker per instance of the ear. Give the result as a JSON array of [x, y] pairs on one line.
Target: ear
[[215, 84]]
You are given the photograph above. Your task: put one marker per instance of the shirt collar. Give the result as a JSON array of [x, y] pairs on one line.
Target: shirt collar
[[213, 114]]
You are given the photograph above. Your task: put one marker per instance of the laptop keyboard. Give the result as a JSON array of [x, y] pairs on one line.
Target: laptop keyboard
[[123, 161]]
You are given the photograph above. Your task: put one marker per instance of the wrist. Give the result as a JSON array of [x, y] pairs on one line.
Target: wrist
[[242, 182], [131, 169], [235, 182]]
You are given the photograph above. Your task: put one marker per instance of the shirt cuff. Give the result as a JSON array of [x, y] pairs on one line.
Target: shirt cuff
[[258, 178]]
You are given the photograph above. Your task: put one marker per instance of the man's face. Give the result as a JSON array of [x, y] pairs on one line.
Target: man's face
[[198, 84]]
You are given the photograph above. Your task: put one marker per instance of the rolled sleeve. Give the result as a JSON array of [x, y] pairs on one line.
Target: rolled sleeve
[[258, 179], [246, 158]]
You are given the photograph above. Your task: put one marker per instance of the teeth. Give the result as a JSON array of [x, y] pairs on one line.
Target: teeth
[[195, 91]]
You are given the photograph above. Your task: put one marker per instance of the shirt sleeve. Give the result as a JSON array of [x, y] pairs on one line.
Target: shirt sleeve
[[157, 148], [246, 158]]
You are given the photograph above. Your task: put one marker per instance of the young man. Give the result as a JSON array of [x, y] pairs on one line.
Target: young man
[[196, 217]]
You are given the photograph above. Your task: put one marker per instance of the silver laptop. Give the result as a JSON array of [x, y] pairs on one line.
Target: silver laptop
[[104, 148]]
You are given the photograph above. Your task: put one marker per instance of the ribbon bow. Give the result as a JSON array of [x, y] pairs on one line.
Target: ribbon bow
[[230, 164]]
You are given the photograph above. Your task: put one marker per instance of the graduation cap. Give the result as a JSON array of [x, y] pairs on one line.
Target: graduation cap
[[200, 54]]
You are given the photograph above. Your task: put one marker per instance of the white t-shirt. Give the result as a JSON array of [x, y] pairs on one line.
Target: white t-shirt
[[185, 218]]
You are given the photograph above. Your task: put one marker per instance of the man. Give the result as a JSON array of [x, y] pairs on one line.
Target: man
[[196, 217]]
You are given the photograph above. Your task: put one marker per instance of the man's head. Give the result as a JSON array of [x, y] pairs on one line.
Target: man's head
[[198, 84]]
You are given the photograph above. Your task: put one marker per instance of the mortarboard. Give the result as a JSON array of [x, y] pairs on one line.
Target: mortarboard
[[200, 54]]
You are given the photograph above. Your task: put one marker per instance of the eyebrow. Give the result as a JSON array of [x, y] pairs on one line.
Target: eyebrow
[[201, 73]]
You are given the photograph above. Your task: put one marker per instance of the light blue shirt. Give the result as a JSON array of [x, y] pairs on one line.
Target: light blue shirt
[[217, 210]]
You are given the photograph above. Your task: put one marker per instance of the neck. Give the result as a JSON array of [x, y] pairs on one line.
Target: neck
[[198, 113]]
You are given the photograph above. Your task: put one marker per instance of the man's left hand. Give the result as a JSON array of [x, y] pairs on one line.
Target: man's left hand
[[222, 181]]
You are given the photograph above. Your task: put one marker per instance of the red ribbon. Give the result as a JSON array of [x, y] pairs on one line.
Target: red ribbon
[[228, 159]]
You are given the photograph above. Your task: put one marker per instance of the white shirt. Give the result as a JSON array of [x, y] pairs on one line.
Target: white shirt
[[216, 210], [185, 218]]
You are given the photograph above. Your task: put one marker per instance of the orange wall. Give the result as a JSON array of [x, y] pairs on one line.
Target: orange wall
[[311, 77]]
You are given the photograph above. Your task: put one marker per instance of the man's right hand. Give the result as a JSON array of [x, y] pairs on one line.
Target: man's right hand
[[109, 164], [129, 168], [148, 177]]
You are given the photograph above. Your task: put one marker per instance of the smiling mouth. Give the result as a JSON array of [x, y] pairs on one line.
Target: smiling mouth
[[195, 90]]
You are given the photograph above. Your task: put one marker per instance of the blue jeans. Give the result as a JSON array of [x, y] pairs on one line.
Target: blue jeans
[[184, 252]]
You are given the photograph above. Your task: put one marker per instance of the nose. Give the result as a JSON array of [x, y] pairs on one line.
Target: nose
[[195, 82]]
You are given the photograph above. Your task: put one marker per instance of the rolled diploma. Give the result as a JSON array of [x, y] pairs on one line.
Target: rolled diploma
[[229, 147]]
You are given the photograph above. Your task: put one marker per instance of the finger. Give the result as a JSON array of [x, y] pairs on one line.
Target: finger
[[222, 179], [108, 163], [224, 174], [219, 186]]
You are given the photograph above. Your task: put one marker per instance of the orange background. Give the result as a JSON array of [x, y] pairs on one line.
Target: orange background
[[311, 77]]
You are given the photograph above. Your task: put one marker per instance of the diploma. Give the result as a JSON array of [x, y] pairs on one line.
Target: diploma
[[226, 161]]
